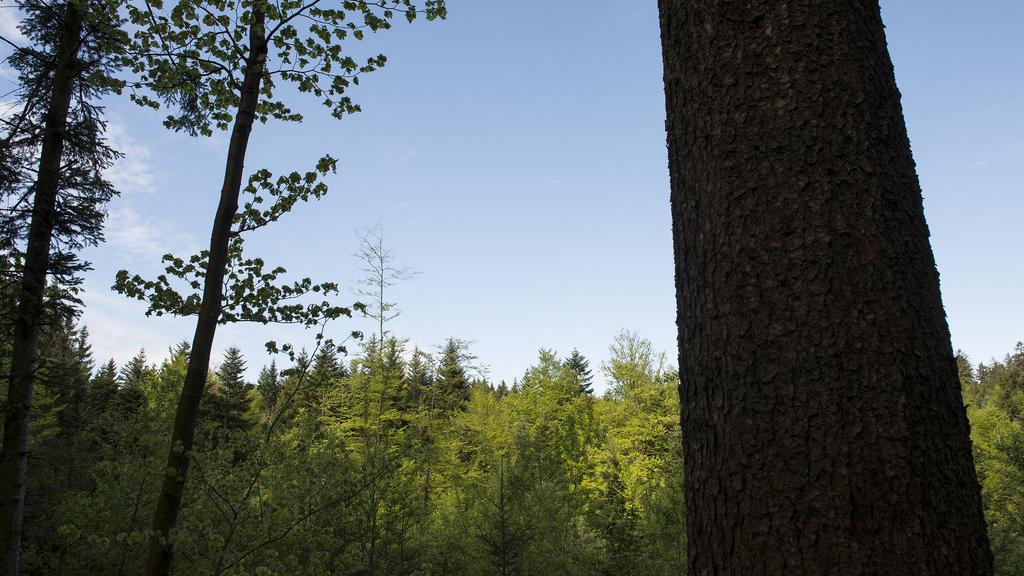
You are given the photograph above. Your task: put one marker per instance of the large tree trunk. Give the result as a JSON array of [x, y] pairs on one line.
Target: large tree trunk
[[29, 313], [158, 562], [824, 428]]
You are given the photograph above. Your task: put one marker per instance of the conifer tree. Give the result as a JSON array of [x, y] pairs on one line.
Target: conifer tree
[[419, 377], [581, 367], [131, 397], [324, 372], [232, 370], [502, 390], [452, 380], [228, 403], [102, 387], [64, 369], [393, 367], [52, 191], [268, 384], [326, 364], [135, 371]]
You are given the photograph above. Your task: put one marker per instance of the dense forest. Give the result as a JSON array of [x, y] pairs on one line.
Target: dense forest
[[389, 461], [404, 461], [817, 400]]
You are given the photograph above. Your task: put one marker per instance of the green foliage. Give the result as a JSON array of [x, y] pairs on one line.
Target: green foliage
[[268, 385], [581, 367], [102, 388], [452, 377], [228, 403], [251, 294], [193, 54], [632, 362], [362, 470], [83, 190], [994, 394], [350, 472]]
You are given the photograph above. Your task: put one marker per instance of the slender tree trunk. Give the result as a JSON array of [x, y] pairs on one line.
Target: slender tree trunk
[[825, 433], [27, 320], [158, 562]]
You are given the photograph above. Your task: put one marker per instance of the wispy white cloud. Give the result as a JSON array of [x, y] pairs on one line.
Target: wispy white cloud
[[9, 19], [119, 328], [134, 173], [135, 235]]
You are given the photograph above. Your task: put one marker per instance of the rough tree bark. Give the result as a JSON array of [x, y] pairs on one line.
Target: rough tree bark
[[158, 562], [32, 288], [824, 427]]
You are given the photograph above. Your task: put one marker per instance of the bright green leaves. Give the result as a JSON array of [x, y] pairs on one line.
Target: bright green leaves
[[251, 292], [159, 294], [281, 194], [193, 55], [191, 58], [994, 394]]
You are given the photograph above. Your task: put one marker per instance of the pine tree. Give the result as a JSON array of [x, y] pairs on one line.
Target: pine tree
[[419, 377], [102, 387], [581, 367], [232, 370], [395, 392], [502, 390], [452, 381], [268, 384], [228, 402], [62, 431], [52, 187], [135, 371], [327, 366], [102, 400], [973, 393], [131, 396], [324, 373], [64, 369]]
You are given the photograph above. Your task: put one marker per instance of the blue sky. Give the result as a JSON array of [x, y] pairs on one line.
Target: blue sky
[[515, 156]]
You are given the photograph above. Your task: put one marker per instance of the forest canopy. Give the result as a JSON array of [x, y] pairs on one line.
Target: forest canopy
[[393, 460]]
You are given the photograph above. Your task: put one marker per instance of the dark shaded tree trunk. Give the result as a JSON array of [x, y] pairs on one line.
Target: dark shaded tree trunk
[[158, 562], [824, 428], [32, 288]]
